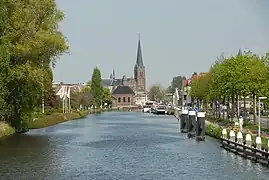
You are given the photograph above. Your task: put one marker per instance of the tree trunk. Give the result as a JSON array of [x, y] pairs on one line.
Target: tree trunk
[[223, 111], [254, 107], [245, 110], [237, 107], [232, 112], [228, 108]]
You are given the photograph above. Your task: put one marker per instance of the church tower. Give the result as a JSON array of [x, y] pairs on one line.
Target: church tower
[[139, 70]]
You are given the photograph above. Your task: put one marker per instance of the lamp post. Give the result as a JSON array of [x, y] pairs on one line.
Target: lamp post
[[260, 98]]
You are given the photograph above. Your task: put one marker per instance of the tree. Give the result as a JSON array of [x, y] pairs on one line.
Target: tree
[[156, 93], [195, 74], [97, 87], [107, 96], [177, 82], [231, 78], [81, 98], [33, 41]]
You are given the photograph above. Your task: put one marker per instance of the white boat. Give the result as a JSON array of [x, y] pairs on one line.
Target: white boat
[[161, 110], [147, 107]]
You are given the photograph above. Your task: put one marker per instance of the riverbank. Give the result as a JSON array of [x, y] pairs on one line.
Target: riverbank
[[50, 120], [43, 121], [214, 130]]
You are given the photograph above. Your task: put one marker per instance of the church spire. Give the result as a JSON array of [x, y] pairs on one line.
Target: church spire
[[113, 74], [139, 59]]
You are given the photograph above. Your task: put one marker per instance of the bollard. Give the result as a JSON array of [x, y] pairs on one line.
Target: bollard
[[258, 143], [200, 126], [224, 133], [191, 124], [239, 138], [183, 121], [248, 140], [232, 135]]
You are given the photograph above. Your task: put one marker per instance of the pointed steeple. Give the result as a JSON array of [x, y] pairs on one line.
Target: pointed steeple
[[239, 53], [139, 59], [113, 74]]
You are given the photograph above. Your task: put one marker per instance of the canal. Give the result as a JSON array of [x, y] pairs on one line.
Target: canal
[[118, 146]]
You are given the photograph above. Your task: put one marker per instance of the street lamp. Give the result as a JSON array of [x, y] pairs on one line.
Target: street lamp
[[260, 98]]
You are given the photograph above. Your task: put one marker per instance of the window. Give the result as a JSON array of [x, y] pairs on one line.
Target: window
[[119, 99], [129, 99], [124, 100]]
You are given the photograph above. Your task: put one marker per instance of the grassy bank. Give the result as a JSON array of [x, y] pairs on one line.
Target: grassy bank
[[43, 121], [215, 130]]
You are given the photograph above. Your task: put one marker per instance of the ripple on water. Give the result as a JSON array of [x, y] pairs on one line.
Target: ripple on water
[[116, 146]]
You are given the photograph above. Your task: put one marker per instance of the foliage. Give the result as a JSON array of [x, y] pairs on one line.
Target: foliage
[[245, 74], [30, 42], [6, 130], [107, 96], [156, 93], [81, 98], [176, 83], [97, 87]]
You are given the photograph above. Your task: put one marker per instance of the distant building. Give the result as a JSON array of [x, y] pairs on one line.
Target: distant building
[[123, 96], [75, 87], [186, 98]]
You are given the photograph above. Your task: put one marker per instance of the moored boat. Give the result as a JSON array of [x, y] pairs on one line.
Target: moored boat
[[160, 110]]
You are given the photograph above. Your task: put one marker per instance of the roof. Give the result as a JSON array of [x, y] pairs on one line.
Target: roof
[[123, 90], [107, 82], [117, 82], [139, 58]]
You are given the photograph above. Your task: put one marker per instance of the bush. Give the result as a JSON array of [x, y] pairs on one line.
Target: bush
[[6, 130]]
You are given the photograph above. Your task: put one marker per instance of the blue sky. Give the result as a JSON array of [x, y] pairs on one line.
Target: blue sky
[[178, 36]]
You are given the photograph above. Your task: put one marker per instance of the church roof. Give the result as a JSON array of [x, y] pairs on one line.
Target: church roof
[[123, 90], [107, 82], [139, 58]]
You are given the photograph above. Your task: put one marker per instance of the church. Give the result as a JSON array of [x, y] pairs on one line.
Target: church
[[131, 88]]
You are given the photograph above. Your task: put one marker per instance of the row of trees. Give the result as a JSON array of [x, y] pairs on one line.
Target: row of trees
[[232, 79], [93, 94], [30, 43]]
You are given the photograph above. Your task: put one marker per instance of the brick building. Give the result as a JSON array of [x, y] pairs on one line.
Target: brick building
[[123, 96]]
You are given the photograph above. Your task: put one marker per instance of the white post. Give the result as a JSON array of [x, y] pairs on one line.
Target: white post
[[224, 133], [69, 104], [248, 140], [259, 131], [239, 137], [232, 135], [258, 143], [63, 105]]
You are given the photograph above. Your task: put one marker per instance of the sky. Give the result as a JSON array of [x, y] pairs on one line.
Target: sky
[[178, 37]]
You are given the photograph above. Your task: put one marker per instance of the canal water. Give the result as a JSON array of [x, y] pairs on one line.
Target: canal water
[[119, 146]]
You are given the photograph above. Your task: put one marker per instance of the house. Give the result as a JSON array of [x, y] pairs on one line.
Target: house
[[123, 96]]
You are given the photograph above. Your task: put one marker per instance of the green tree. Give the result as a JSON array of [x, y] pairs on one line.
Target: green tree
[[81, 98], [107, 96], [31, 33], [97, 87], [156, 93], [177, 82]]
